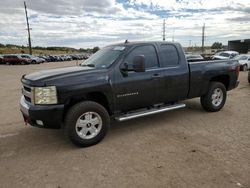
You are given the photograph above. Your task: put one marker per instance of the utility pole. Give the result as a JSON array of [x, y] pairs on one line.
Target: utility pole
[[203, 38], [190, 42], [164, 30], [28, 28]]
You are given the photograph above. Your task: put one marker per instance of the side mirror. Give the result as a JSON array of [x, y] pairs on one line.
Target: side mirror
[[124, 67], [139, 63]]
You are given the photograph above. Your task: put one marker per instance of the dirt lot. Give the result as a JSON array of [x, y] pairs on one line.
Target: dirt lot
[[183, 148]]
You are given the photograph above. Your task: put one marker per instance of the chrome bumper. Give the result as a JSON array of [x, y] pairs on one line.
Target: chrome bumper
[[24, 106]]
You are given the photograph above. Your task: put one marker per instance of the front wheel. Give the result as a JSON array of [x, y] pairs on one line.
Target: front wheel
[[86, 123], [215, 97]]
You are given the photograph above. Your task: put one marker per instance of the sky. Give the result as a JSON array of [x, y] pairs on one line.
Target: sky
[[89, 23]]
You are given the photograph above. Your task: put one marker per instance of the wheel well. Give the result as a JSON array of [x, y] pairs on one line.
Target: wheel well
[[97, 97], [224, 79]]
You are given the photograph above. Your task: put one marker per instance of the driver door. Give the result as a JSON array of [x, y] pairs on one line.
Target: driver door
[[135, 90]]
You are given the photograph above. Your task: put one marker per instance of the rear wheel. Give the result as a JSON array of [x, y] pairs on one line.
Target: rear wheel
[[215, 97], [86, 123]]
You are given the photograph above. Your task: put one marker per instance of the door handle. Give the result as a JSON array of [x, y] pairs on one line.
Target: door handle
[[155, 76]]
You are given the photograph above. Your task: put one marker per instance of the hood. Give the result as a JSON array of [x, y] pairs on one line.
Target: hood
[[47, 76]]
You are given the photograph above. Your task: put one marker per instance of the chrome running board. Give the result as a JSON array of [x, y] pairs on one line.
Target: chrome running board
[[151, 111]]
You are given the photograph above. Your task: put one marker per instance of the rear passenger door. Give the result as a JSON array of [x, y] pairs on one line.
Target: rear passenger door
[[176, 73]]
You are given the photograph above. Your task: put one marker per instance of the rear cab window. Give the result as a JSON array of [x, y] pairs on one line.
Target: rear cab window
[[169, 55]]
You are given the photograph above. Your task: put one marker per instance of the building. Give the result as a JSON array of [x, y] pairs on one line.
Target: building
[[241, 46]]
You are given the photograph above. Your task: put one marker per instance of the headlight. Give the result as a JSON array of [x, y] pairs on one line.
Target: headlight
[[45, 95]]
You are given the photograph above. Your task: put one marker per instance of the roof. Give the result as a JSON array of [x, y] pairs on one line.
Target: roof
[[240, 40], [143, 42], [230, 52]]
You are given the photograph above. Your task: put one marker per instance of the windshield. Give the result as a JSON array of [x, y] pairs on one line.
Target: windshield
[[241, 57], [224, 54], [104, 57]]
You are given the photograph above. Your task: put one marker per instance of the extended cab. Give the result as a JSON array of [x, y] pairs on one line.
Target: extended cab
[[122, 82]]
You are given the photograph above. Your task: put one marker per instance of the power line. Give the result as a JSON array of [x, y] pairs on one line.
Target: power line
[[28, 28]]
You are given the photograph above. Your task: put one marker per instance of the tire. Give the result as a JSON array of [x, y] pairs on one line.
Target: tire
[[33, 62], [86, 123], [215, 98], [244, 68]]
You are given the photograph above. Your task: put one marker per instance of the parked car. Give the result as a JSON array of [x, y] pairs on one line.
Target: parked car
[[15, 59], [34, 59], [244, 60], [46, 58], [74, 57], [194, 57], [53, 58], [225, 55], [1, 59], [122, 82], [66, 57], [58, 58]]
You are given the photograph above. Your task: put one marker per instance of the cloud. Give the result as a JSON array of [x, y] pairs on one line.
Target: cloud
[[88, 23], [239, 19], [62, 7]]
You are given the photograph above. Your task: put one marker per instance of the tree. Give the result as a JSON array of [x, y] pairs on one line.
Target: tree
[[216, 45], [95, 49]]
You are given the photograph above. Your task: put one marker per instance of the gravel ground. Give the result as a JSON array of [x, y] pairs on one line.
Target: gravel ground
[[183, 148]]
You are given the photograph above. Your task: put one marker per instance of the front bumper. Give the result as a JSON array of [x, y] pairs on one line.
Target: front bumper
[[51, 116]]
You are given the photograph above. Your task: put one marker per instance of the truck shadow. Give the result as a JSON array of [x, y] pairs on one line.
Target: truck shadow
[[48, 141]]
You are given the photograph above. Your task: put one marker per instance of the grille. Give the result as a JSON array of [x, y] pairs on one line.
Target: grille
[[27, 93]]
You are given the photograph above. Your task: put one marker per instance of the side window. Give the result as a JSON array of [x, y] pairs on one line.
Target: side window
[[170, 55], [148, 51]]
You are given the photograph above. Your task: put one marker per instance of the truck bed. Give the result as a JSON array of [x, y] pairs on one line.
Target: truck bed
[[201, 73]]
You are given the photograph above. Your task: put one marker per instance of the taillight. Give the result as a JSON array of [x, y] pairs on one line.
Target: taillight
[[235, 68]]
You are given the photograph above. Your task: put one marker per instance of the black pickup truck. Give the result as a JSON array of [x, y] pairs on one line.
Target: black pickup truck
[[122, 82]]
